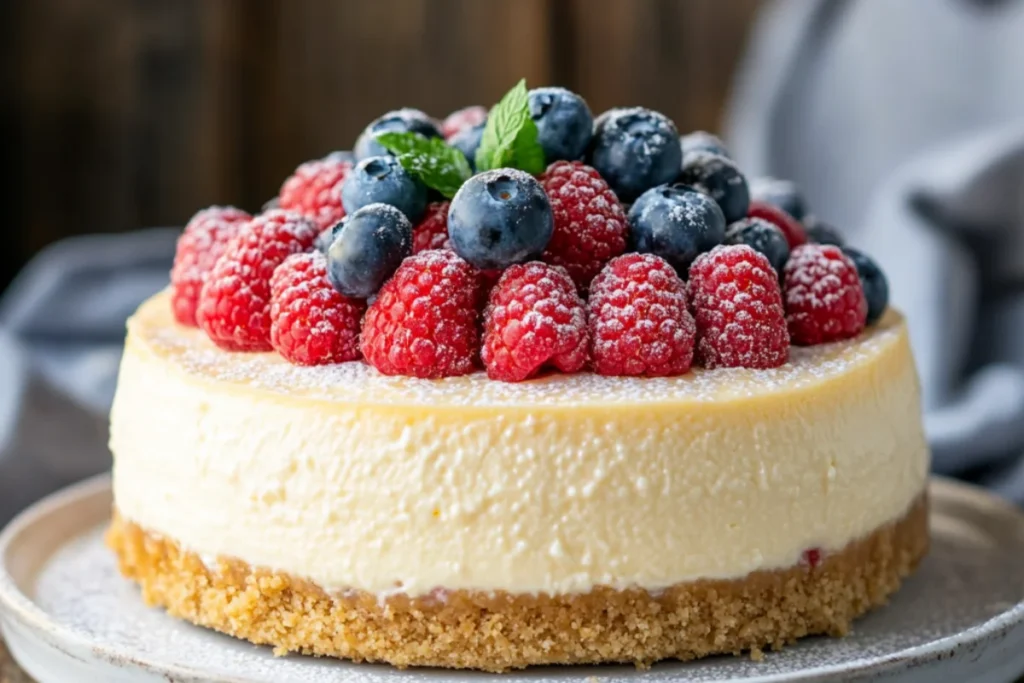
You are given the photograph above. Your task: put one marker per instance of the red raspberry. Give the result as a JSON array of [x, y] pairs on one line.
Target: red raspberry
[[590, 224], [737, 302], [311, 323], [234, 307], [464, 118], [824, 297], [432, 231], [205, 238], [534, 318], [424, 321], [792, 228], [314, 190], [639, 320]]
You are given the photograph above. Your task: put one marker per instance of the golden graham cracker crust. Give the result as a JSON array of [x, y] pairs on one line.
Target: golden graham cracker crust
[[498, 631]]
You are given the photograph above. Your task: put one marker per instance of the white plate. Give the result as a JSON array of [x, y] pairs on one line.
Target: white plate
[[68, 616]]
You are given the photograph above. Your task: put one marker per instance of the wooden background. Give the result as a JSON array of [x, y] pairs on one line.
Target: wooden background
[[118, 114]]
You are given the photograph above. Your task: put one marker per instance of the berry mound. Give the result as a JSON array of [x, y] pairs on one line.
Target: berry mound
[[314, 190], [720, 178], [791, 228], [424, 320], [432, 231], [204, 240], [311, 323], [824, 298], [234, 307], [534, 319], [762, 236], [736, 300], [640, 324], [590, 224]]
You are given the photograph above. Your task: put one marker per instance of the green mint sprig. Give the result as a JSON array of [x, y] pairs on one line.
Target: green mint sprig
[[437, 165], [510, 136]]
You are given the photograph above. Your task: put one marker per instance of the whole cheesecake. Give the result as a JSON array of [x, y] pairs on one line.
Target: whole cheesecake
[[465, 522]]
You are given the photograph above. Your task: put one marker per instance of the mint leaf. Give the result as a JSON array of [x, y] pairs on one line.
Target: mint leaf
[[510, 136], [437, 165]]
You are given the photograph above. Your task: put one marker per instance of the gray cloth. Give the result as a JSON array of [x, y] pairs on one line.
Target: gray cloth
[[904, 124]]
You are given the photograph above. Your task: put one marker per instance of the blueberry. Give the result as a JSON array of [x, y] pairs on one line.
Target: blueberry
[[341, 156], [762, 236], [873, 281], [702, 141], [823, 233], [635, 150], [326, 237], [383, 180], [677, 223], [783, 194], [603, 118], [467, 141], [500, 217], [719, 177], [564, 123], [399, 121], [368, 250]]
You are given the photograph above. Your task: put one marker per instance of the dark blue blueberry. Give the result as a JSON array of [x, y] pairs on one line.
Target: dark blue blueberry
[[823, 233], [783, 194], [368, 250], [603, 117], [702, 141], [341, 155], [326, 237], [721, 179], [635, 150], [500, 217], [383, 180], [467, 141], [762, 236], [677, 223], [399, 121], [564, 123], [873, 281]]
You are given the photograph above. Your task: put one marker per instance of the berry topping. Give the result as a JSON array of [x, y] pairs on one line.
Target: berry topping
[[820, 232], [205, 238], [500, 217], [326, 237], [737, 303], [824, 298], [762, 236], [534, 319], [635, 150], [781, 193], [314, 190], [564, 123], [383, 180], [399, 121], [370, 246], [872, 281], [458, 121], [702, 141], [639, 320], [424, 321], [311, 323], [234, 307], [720, 178], [675, 222], [432, 231], [590, 225], [791, 228], [468, 140]]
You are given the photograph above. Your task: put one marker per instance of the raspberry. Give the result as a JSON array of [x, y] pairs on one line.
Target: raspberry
[[311, 323], [790, 227], [424, 321], [205, 238], [234, 307], [464, 118], [314, 190], [534, 318], [735, 295], [432, 230], [590, 224], [824, 297], [639, 320]]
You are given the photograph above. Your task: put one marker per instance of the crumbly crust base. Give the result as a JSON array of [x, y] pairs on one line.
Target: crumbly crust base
[[501, 631]]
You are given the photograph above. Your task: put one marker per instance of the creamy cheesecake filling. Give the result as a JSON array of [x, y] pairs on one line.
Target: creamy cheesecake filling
[[357, 481]]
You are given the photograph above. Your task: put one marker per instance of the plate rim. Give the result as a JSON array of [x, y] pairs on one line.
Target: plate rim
[[15, 605]]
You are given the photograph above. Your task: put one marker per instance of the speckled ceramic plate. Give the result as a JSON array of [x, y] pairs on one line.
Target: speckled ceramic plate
[[68, 616]]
